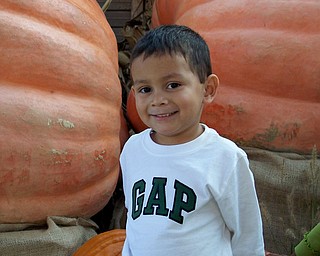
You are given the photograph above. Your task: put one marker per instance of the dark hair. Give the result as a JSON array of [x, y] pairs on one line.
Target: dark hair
[[176, 39]]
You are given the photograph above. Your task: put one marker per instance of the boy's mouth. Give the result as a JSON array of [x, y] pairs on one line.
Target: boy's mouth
[[164, 115]]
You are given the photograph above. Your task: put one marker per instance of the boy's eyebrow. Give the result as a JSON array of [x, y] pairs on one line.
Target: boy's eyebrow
[[172, 75], [137, 82]]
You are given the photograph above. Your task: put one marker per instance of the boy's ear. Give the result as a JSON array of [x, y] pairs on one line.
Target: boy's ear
[[211, 85]]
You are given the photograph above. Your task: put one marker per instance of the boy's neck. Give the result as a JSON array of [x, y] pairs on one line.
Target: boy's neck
[[175, 140]]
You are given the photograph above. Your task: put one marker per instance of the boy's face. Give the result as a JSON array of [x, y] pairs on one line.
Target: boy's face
[[170, 97]]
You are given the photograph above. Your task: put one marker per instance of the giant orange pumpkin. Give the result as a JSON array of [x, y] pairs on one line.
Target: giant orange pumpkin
[[60, 110], [267, 56]]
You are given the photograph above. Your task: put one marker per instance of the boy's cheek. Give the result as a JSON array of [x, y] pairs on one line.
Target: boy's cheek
[[140, 108]]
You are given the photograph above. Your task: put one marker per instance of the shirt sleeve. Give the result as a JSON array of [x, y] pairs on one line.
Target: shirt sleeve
[[240, 209]]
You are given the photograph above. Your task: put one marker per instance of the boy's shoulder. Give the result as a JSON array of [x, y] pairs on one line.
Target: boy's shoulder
[[140, 135], [224, 145], [137, 137]]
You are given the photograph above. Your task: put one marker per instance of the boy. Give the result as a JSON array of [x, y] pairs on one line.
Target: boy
[[188, 191]]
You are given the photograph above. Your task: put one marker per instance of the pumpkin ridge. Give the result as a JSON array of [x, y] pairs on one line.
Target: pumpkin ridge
[[106, 243], [46, 16], [72, 210]]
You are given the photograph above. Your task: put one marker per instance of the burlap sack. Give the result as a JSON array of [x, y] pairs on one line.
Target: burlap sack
[[61, 236], [288, 187]]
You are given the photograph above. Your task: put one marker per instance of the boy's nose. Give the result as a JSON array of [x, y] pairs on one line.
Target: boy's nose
[[159, 99]]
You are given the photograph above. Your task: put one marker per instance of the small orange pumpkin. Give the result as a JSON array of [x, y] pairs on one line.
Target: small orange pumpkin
[[267, 57], [108, 243], [60, 110]]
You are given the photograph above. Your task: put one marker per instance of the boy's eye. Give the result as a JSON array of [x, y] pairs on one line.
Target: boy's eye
[[144, 90], [173, 85]]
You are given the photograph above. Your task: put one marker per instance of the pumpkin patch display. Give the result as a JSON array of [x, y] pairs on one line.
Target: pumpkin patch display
[[267, 57], [60, 109]]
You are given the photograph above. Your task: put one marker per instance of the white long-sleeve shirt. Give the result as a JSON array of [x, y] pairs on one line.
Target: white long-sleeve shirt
[[195, 199]]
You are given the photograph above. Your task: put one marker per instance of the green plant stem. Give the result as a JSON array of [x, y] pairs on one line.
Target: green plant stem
[[106, 5]]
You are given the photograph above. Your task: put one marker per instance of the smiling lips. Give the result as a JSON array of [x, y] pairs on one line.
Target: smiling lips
[[164, 115]]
